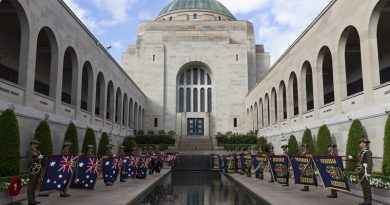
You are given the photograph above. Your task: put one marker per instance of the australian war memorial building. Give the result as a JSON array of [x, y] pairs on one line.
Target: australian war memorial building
[[196, 62]]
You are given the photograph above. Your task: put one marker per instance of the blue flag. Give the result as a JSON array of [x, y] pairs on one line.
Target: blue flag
[[235, 163], [332, 172], [279, 167], [242, 162], [110, 169], [133, 166], [303, 170], [143, 167], [86, 173], [59, 170], [220, 163]]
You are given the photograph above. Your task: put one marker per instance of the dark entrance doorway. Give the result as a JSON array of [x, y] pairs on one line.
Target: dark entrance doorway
[[195, 126]]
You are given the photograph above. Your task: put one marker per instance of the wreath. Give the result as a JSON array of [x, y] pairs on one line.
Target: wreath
[[15, 186]]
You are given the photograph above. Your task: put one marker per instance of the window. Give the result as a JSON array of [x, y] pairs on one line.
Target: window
[[155, 122], [170, 18], [154, 58], [219, 18], [195, 16], [195, 76], [235, 122], [236, 58]]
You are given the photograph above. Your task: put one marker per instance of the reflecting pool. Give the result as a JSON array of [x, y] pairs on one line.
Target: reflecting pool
[[198, 188]]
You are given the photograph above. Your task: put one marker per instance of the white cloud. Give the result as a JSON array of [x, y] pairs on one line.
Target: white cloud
[[117, 9], [117, 45], [244, 6], [284, 21], [83, 14]]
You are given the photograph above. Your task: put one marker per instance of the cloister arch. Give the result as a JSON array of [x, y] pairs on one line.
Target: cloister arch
[[69, 77], [256, 113], [293, 95], [274, 107], [325, 63], [261, 105], [383, 40], [100, 94], [110, 101], [307, 86], [267, 113], [118, 106], [283, 100], [125, 110], [87, 87], [131, 114]]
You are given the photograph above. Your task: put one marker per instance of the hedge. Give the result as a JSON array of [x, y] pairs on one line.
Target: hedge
[[128, 142], [154, 139], [308, 139], [355, 133], [293, 147], [9, 144], [72, 136], [104, 141], [238, 146], [324, 139], [43, 135], [386, 151], [4, 181], [89, 139], [249, 138], [378, 180]]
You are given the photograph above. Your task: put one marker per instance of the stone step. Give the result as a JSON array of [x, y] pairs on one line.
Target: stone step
[[203, 143]]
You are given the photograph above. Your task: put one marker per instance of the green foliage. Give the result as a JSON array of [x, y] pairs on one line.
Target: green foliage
[[172, 133], [308, 139], [129, 143], [355, 133], [324, 139], [154, 139], [9, 144], [89, 139], [140, 132], [293, 147], [150, 132], [386, 151], [163, 147], [237, 147], [72, 136], [162, 132], [249, 138], [43, 134], [104, 141]]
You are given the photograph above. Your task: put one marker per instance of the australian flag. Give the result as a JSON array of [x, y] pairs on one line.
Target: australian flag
[[132, 166], [86, 174], [143, 167], [59, 170], [111, 167]]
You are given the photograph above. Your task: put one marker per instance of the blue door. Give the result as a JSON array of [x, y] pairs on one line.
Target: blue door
[[195, 127]]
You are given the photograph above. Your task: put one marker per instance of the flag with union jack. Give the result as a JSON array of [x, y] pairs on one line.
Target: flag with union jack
[[132, 166], [86, 173], [143, 166], [111, 167], [59, 170]]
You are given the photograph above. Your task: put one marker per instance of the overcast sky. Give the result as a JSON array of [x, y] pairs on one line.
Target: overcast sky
[[277, 22]]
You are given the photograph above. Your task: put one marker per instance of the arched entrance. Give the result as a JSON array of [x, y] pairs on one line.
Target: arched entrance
[[194, 101]]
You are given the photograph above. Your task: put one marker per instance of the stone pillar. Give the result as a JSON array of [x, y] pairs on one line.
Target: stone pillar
[[57, 80], [27, 66]]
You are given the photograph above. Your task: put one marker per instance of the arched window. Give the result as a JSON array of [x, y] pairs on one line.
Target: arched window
[[125, 110], [383, 40], [262, 112], [268, 116], [353, 60], [87, 87], [191, 95], [274, 98], [256, 113], [307, 76], [110, 101], [131, 114], [293, 90], [327, 75], [283, 97], [69, 77], [100, 92], [118, 106]]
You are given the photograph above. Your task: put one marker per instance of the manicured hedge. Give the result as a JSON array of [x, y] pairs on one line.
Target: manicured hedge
[[386, 151], [324, 139], [129, 143], [154, 139], [238, 147], [104, 141], [43, 134], [355, 133], [308, 139], [72, 136], [293, 147], [9, 144], [89, 139], [228, 138]]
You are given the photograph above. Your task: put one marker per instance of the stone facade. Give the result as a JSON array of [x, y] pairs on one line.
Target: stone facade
[[224, 48], [336, 71]]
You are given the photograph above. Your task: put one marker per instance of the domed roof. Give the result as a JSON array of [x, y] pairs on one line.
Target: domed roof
[[207, 5]]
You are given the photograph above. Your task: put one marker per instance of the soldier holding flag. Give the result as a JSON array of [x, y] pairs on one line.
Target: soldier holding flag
[[122, 155], [34, 158], [271, 153], [65, 151], [331, 150], [109, 154], [305, 154]]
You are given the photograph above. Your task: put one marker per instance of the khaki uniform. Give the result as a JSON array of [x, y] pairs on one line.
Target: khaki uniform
[[333, 193], [365, 157], [64, 152], [33, 161]]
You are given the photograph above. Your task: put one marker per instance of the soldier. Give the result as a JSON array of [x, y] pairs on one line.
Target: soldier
[[64, 151], [284, 150], [121, 153], [305, 154], [90, 151], [34, 158], [331, 149], [109, 154], [260, 174], [271, 152], [364, 162]]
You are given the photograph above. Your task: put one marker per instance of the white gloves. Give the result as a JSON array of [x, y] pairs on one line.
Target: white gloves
[[350, 157], [368, 175], [40, 157]]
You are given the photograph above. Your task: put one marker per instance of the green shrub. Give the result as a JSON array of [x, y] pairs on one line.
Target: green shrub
[[237, 146], [104, 141], [163, 147], [386, 151], [43, 134], [355, 133], [293, 147], [150, 132], [9, 144], [128, 142], [89, 139], [72, 136], [324, 139], [154, 139], [308, 139], [172, 133], [140, 132], [162, 132]]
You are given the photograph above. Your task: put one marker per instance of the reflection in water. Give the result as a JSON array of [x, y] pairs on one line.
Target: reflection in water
[[198, 188]]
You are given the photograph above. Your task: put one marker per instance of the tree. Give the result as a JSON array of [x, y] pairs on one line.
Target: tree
[[293, 147], [355, 133], [386, 151], [104, 141], [9, 144], [324, 139], [308, 140], [128, 142], [43, 135], [72, 136], [89, 139]]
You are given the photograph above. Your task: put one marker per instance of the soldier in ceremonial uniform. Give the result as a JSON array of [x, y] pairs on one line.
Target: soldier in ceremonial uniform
[[260, 152], [34, 158], [90, 151], [122, 154], [331, 150], [305, 154], [284, 150], [65, 150], [364, 162], [271, 152], [109, 154]]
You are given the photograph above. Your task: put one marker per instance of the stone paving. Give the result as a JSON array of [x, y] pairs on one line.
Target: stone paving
[[274, 193], [120, 194]]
